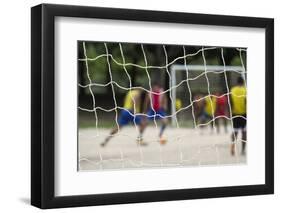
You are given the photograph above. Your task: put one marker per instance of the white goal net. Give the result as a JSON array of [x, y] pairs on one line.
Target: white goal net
[[185, 146]]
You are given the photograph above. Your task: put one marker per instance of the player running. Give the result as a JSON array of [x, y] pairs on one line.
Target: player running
[[238, 106], [221, 111], [198, 106], [128, 115], [209, 108], [157, 104]]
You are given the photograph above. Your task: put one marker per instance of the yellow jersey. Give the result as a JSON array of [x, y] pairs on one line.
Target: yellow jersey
[[131, 99], [210, 105], [238, 100]]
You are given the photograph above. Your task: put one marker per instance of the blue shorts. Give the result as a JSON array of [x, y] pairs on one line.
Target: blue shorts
[[127, 116], [159, 114]]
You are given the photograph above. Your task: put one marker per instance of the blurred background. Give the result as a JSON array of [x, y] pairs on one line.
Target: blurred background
[[155, 56]]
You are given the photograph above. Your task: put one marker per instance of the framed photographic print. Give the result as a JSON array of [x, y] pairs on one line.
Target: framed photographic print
[[140, 106]]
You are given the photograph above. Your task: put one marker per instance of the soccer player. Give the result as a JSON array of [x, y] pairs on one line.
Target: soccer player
[[208, 111], [157, 104], [132, 105], [238, 107], [198, 105], [221, 110]]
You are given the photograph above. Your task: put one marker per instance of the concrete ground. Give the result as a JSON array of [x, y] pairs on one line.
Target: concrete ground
[[184, 147]]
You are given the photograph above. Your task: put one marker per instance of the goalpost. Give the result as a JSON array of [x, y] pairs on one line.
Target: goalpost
[[204, 69]]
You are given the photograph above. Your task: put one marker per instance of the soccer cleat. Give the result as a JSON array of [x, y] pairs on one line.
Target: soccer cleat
[[162, 140], [140, 141]]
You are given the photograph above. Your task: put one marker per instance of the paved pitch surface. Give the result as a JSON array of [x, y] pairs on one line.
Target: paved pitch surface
[[184, 147]]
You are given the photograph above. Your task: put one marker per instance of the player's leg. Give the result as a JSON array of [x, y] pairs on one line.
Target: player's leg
[[162, 139], [209, 119], [202, 120], [197, 113], [233, 141], [122, 121], [111, 134], [234, 134], [217, 124], [160, 114], [141, 123], [244, 135], [225, 124], [164, 121], [212, 123], [202, 123]]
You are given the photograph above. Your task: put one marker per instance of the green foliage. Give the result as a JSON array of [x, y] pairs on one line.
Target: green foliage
[[155, 55]]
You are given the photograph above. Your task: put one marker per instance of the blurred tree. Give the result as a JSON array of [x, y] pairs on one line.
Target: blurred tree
[[155, 56]]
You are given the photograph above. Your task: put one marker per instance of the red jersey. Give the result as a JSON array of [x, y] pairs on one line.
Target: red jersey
[[156, 99], [221, 105]]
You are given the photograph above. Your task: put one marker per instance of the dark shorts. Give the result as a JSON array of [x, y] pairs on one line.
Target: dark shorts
[[239, 122]]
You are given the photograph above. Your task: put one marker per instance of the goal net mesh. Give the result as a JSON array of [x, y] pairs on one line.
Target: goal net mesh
[[183, 79]]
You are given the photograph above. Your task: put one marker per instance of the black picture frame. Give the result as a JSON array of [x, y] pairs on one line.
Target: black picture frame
[[43, 105]]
